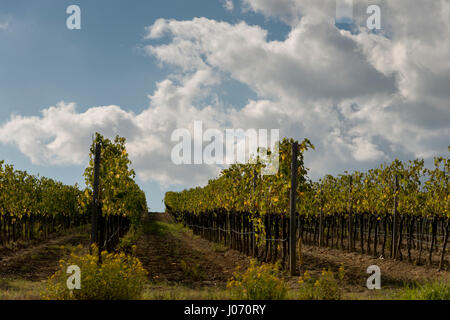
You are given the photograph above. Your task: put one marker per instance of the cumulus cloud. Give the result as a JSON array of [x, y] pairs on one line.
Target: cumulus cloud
[[361, 97], [62, 136], [292, 11]]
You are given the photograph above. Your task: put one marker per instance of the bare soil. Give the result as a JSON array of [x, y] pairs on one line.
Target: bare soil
[[38, 261], [182, 258], [174, 257], [394, 274], [162, 255]]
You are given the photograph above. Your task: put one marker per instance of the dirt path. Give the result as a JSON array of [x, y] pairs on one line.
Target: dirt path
[[394, 274], [173, 254], [37, 262], [182, 265]]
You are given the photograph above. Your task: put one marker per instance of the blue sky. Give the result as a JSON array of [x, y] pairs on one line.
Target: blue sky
[[43, 62], [362, 97], [101, 64]]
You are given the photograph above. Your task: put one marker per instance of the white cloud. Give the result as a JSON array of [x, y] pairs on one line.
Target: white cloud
[[313, 53], [364, 150], [292, 11], [62, 136]]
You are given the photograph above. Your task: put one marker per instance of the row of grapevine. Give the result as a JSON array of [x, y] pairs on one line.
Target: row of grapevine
[[119, 202], [398, 206], [243, 208], [32, 207]]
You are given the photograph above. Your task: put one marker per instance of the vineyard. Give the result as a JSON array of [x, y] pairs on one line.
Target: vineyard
[[398, 210], [32, 208], [116, 201], [48, 229]]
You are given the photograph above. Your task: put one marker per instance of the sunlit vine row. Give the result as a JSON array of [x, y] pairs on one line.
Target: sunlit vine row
[[32, 206], [119, 194], [241, 188]]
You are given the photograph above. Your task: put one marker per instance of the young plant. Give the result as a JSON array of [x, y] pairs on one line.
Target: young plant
[[119, 277], [258, 282]]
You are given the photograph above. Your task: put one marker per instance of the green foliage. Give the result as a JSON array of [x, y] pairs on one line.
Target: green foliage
[[25, 198], [22, 194], [128, 242], [192, 271], [375, 190], [119, 277], [118, 193], [233, 190], [163, 229], [325, 287], [241, 188], [258, 282], [429, 291]]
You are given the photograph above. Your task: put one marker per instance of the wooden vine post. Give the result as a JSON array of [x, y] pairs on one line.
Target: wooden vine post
[[253, 237], [95, 199], [350, 217], [446, 232], [444, 247], [321, 229], [293, 214], [394, 220]]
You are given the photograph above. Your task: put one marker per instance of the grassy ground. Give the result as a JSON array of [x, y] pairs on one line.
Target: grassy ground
[[14, 289], [182, 266], [24, 270]]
